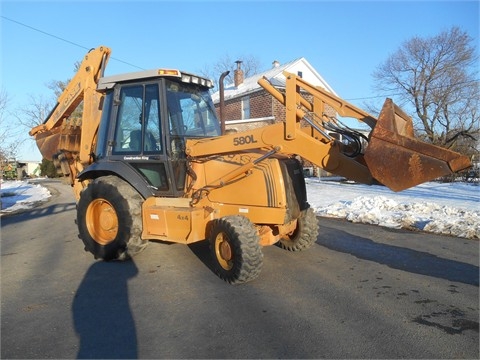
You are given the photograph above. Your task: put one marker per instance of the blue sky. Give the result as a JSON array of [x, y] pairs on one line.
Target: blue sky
[[343, 40]]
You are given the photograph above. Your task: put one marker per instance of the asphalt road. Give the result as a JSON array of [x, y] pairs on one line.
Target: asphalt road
[[361, 292]]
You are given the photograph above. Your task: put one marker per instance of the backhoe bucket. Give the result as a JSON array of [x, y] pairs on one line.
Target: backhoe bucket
[[398, 160], [47, 143], [58, 139]]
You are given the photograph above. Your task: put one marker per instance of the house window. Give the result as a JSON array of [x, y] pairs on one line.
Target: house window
[[245, 107]]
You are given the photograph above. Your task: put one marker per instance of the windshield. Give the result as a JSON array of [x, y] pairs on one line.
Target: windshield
[[191, 112]]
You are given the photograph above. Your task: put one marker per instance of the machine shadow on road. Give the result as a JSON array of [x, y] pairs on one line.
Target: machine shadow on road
[[202, 251], [400, 258], [101, 312]]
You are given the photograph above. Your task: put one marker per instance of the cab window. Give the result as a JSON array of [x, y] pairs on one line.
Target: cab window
[[138, 128]]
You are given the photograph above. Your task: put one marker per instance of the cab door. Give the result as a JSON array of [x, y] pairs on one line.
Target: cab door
[[138, 138]]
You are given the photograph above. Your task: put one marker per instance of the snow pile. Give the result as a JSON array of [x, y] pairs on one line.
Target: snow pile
[[430, 217], [449, 209], [21, 195]]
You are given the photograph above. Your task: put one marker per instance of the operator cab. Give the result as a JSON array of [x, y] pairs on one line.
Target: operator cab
[[147, 116]]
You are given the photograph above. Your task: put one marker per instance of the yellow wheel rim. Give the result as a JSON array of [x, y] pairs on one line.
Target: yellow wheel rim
[[102, 221], [223, 251]]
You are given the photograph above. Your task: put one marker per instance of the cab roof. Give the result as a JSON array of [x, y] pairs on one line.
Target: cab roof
[[108, 82]]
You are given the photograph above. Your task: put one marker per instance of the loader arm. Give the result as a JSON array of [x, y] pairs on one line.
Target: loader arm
[[67, 141], [393, 157]]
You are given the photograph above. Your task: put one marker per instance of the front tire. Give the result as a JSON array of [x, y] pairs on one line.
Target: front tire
[[305, 234], [235, 249], [109, 219]]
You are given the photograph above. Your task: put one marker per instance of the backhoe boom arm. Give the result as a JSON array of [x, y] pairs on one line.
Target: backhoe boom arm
[[85, 80], [69, 141]]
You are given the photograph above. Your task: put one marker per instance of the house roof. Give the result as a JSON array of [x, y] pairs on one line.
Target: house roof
[[276, 77]]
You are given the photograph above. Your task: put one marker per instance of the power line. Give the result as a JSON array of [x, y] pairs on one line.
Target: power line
[[138, 67], [43, 32], [64, 40]]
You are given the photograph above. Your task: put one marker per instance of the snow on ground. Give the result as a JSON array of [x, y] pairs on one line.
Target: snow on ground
[[21, 195], [442, 208]]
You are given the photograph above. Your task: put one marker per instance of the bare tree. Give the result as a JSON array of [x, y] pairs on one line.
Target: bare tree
[[39, 107], [437, 76], [35, 112], [250, 66], [3, 107], [9, 141], [3, 127]]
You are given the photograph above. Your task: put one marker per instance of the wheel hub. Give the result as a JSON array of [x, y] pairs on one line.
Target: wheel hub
[[102, 221], [223, 251], [107, 219]]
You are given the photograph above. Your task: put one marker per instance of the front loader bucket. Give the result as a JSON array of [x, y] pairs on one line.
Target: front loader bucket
[[398, 160]]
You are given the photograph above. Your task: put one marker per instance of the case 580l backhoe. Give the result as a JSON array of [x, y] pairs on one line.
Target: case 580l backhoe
[[147, 161]]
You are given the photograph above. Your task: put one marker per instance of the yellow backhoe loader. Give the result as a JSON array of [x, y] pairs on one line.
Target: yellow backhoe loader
[[148, 161]]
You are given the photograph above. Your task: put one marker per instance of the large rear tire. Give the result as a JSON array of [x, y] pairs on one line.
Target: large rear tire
[[305, 234], [235, 249], [109, 219]]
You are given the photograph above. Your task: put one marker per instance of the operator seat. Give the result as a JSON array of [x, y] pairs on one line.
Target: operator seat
[[150, 142], [135, 140]]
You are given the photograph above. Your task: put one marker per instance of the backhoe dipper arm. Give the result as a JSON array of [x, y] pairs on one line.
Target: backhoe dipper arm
[[82, 87], [69, 142]]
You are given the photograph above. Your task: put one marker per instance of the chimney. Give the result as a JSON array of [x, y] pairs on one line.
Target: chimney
[[275, 64], [238, 74]]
